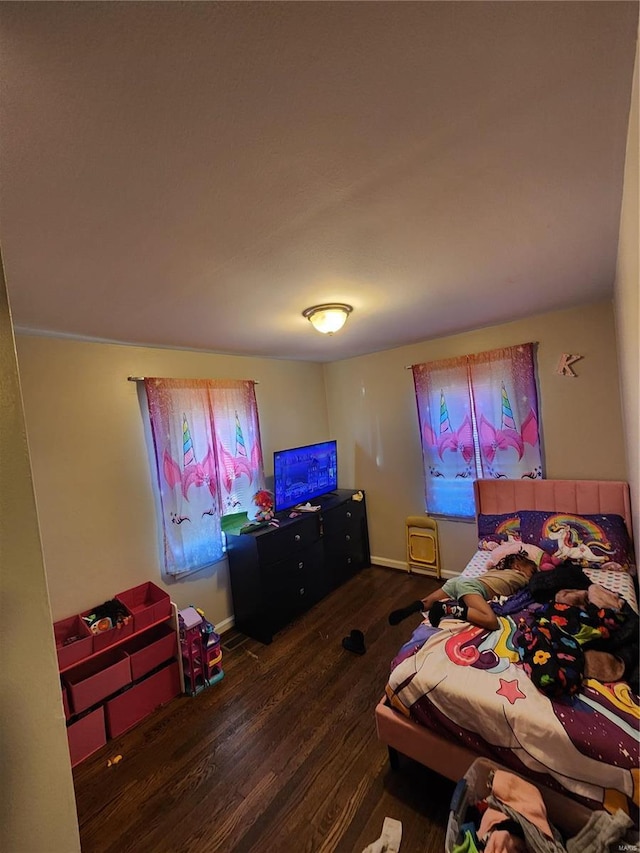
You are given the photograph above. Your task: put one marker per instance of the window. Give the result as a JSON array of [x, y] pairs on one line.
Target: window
[[478, 417], [208, 463]]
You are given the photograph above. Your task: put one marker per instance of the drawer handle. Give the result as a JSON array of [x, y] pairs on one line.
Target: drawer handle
[[348, 515], [348, 561], [348, 538], [300, 565], [297, 537], [301, 590]]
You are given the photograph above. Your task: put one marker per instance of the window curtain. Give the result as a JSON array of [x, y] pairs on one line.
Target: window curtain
[[201, 472], [478, 417], [238, 446], [446, 433], [505, 398]]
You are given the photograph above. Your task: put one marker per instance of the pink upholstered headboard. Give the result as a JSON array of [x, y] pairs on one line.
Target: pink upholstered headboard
[[582, 497]]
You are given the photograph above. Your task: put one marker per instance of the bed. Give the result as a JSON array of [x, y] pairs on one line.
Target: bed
[[444, 711]]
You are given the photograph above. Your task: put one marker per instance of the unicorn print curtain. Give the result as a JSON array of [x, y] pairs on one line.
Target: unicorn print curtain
[[478, 417], [238, 447], [506, 412], [199, 469], [446, 433]]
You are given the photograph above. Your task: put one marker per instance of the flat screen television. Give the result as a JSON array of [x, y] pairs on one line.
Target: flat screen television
[[301, 474]]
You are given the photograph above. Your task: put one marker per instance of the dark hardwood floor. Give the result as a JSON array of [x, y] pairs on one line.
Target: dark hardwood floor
[[280, 756]]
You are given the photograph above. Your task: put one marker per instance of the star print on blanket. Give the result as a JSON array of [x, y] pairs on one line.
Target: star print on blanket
[[510, 690]]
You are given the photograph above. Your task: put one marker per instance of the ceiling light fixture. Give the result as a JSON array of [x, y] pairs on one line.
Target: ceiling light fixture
[[328, 318]]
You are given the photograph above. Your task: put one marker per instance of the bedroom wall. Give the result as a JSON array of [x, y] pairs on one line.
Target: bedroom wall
[[38, 806], [90, 467], [91, 473], [628, 306], [372, 409]]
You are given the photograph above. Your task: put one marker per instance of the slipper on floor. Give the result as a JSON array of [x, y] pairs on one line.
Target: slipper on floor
[[354, 642]]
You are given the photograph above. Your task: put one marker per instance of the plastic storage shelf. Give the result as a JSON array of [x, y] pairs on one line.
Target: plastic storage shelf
[[200, 651]]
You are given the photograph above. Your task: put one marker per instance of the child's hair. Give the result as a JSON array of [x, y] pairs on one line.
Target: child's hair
[[516, 561]]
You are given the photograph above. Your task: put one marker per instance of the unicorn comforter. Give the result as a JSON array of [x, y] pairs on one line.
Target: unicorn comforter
[[469, 685]]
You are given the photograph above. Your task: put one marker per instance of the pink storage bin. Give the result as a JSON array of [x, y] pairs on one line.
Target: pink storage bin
[[86, 735], [105, 639], [149, 650], [147, 602], [132, 706], [92, 681], [82, 647]]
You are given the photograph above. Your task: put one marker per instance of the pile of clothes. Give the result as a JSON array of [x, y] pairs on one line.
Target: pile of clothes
[[512, 818], [581, 630]]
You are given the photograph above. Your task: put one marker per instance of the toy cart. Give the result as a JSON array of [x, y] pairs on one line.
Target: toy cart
[[201, 651]]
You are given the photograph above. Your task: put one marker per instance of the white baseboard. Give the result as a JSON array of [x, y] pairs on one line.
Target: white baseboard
[[402, 566], [389, 563], [227, 623]]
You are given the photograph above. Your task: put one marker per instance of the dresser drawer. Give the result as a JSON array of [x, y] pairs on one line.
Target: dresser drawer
[[345, 563], [276, 544], [288, 601], [347, 540], [346, 517], [297, 581]]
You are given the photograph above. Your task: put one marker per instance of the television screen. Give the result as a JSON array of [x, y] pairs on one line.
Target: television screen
[[303, 473]]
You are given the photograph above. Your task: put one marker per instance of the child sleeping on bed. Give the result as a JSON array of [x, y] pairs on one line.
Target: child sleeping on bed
[[467, 598]]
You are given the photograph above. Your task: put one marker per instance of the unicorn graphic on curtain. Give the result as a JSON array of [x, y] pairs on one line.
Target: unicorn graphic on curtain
[[191, 518], [458, 440], [496, 442], [234, 466], [507, 436], [492, 440], [191, 473]]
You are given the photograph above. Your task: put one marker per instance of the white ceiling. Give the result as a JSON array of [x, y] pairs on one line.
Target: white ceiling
[[196, 174]]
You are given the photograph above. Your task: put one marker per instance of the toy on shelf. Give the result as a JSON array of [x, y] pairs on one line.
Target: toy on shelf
[[111, 614], [201, 651], [263, 499]]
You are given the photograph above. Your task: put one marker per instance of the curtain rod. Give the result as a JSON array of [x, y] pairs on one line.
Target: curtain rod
[[142, 378], [470, 355]]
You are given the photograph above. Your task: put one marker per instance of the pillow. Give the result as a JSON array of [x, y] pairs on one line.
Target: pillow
[[600, 541], [495, 529], [532, 551]]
